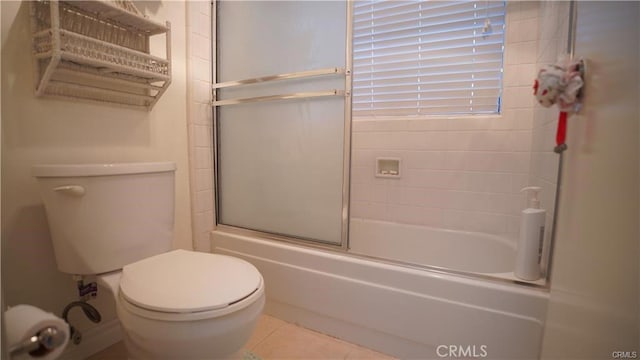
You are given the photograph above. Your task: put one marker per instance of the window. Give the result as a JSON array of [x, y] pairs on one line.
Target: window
[[427, 57]]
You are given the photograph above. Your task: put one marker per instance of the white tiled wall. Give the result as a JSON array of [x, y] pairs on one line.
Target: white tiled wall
[[459, 173], [200, 121]]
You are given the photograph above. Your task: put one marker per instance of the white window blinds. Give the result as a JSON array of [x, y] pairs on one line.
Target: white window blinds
[[427, 57]]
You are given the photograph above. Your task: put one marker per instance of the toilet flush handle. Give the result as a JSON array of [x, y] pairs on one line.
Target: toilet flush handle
[[73, 190]]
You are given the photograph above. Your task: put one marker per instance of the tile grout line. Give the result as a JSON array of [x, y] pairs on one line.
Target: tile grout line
[[284, 323]]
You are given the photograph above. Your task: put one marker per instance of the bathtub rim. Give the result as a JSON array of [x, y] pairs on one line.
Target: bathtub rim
[[337, 249]]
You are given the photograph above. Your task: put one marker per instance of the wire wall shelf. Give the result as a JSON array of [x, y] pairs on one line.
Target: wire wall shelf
[[98, 51]]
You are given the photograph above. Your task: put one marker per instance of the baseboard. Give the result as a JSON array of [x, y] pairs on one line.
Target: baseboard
[[94, 340]]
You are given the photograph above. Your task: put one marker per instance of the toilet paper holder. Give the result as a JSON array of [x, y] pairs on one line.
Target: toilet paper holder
[[46, 340]]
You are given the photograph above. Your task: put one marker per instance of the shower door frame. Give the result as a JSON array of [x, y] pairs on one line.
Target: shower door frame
[[343, 245]]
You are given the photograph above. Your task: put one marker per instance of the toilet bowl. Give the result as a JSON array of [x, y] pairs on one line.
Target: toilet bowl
[[115, 221], [186, 305]]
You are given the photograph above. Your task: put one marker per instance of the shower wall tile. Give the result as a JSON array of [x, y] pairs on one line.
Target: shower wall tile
[[433, 124], [202, 220], [203, 158], [204, 179], [479, 123], [199, 121], [201, 90], [529, 10], [464, 200], [202, 72], [369, 210], [408, 195], [201, 48], [460, 173], [202, 7], [370, 192], [201, 23], [510, 76], [486, 222], [416, 215], [513, 224], [204, 201], [519, 181], [520, 53], [455, 160], [360, 157], [514, 13], [202, 134], [425, 159], [200, 113], [363, 174]]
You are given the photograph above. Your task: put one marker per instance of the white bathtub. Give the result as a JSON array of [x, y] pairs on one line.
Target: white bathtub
[[451, 249], [402, 311]]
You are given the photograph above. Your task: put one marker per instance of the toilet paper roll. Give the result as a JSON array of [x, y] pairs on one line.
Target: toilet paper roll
[[25, 321]]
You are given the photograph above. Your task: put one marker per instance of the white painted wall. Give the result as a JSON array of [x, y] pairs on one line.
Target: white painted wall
[[36, 130], [594, 298]]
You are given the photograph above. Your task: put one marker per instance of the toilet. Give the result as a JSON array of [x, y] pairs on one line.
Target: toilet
[[115, 221]]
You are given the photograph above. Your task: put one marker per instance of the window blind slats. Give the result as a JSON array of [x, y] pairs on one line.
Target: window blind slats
[[434, 86], [439, 94], [379, 69], [461, 40], [430, 22], [403, 62], [389, 8], [417, 48], [427, 57], [417, 34], [379, 84]]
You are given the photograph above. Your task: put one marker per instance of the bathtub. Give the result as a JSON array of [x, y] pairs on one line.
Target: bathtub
[[451, 249], [403, 311]]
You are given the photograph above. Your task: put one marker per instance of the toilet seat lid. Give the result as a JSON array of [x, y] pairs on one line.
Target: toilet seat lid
[[186, 281]]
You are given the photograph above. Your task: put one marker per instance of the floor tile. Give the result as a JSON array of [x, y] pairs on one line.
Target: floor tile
[[358, 352], [265, 327], [277, 339], [113, 352], [294, 342]]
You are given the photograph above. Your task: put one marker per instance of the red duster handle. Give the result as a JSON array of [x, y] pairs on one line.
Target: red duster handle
[[561, 135]]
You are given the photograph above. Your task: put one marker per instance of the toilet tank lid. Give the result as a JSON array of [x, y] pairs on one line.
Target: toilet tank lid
[[67, 170], [183, 281]]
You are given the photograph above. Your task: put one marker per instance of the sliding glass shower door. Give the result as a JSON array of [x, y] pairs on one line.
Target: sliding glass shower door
[[281, 139]]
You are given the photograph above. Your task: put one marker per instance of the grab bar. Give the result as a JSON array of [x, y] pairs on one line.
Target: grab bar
[[294, 75], [302, 95]]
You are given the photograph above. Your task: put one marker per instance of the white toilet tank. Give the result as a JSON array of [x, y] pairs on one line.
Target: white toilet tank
[[105, 216]]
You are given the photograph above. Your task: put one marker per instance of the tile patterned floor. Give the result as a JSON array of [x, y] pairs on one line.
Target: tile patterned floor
[[277, 339]]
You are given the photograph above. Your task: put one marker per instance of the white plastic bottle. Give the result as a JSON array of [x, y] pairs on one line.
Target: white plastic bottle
[[531, 239]]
